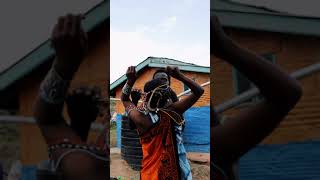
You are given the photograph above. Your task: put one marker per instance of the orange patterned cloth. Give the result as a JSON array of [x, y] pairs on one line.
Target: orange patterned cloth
[[160, 160]]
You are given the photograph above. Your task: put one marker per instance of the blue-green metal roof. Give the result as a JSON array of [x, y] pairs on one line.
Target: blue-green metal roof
[[158, 62], [236, 15], [44, 52]]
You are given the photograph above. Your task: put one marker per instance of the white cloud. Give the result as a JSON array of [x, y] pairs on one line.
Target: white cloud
[[168, 24], [189, 2], [144, 28]]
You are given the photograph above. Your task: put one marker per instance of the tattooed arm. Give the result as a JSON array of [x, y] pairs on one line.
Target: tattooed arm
[[70, 43]]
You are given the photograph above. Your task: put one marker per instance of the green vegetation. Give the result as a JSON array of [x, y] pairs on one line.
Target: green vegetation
[[9, 145], [113, 134]]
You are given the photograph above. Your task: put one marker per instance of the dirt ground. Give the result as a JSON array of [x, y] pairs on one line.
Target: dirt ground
[[10, 152], [120, 169]]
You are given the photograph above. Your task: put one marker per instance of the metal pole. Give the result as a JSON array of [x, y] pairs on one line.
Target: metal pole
[[189, 90], [253, 92], [31, 120], [220, 108], [94, 126]]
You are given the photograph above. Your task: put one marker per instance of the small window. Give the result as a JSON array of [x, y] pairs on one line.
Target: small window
[[242, 84], [185, 87]]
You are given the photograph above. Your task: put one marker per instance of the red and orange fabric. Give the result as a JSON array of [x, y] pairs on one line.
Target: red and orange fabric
[[160, 160]]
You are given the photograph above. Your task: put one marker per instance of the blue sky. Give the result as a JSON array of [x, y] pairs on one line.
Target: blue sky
[[177, 29]]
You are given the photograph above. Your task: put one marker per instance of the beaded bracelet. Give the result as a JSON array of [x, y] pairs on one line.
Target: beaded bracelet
[[130, 108], [126, 89]]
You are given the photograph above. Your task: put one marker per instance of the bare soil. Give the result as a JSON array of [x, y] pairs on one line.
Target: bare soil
[[120, 169]]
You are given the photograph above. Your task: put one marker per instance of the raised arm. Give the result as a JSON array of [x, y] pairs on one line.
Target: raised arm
[[126, 90], [196, 91], [141, 121], [249, 127], [83, 108], [70, 44]]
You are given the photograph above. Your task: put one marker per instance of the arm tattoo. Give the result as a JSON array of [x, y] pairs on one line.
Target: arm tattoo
[[53, 88], [126, 89]]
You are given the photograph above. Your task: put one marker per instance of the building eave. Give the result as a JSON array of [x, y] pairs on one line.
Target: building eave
[[44, 52], [246, 17], [155, 62]]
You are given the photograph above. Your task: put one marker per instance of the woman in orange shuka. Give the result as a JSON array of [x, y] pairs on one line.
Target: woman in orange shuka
[[156, 120]]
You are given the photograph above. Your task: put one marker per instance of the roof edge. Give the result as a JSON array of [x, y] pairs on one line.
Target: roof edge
[[241, 16], [147, 63], [95, 16]]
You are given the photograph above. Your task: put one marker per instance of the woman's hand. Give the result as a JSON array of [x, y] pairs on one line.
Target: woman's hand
[[131, 75], [70, 43], [218, 37], [196, 91], [82, 104], [136, 96], [174, 71]]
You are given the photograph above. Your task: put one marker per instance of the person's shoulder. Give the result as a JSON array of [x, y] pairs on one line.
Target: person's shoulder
[[71, 167]]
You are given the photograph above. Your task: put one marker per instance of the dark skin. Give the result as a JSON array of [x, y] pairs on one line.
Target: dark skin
[[70, 44], [167, 80], [83, 109], [164, 79], [142, 121], [242, 132], [135, 96]]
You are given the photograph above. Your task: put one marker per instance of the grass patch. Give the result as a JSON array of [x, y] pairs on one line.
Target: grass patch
[[9, 145], [113, 134]]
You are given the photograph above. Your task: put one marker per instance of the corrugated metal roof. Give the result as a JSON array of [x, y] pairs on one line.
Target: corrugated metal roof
[[159, 62], [237, 15], [294, 7], [294, 161], [44, 52], [30, 24]]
